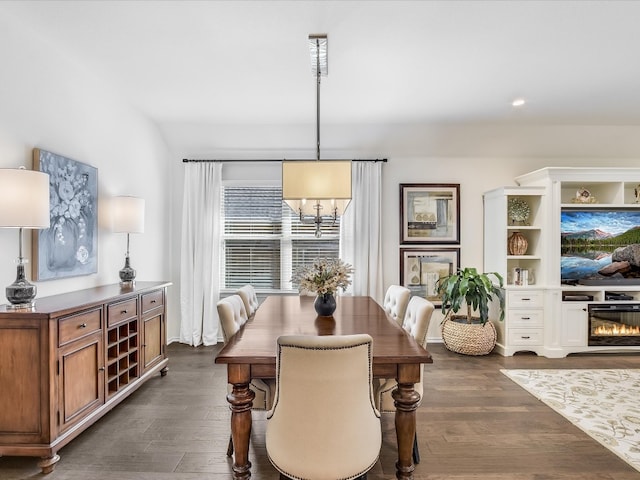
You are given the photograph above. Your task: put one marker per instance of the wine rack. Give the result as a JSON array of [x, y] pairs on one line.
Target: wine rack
[[123, 355]]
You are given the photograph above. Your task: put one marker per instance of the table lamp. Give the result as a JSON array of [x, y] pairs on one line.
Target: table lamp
[[128, 217], [24, 203]]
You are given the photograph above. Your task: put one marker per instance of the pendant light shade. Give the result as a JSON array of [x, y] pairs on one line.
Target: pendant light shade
[[307, 183]]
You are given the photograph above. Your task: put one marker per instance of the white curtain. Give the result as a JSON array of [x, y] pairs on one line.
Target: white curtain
[[199, 269], [360, 233]]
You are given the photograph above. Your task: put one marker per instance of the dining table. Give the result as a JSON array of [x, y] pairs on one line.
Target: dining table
[[251, 353]]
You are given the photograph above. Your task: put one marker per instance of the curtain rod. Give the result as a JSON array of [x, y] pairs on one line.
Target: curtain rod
[[187, 160]]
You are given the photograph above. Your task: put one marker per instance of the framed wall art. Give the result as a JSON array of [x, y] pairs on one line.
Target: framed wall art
[[69, 247], [422, 268], [429, 213]]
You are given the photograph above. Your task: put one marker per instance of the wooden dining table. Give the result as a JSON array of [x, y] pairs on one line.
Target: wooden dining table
[[251, 353]]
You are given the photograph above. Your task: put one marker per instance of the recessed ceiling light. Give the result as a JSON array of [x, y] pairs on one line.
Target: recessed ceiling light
[[518, 102]]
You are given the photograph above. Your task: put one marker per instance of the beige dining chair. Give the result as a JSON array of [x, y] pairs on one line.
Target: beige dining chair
[[395, 302], [416, 323], [233, 316], [250, 299], [323, 424]]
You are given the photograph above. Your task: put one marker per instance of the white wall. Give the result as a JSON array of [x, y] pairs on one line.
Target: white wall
[[479, 158], [50, 102]]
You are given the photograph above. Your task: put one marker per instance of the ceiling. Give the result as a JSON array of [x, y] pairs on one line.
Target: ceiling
[[390, 62]]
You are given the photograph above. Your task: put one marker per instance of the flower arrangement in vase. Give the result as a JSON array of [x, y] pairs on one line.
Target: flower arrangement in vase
[[324, 276]]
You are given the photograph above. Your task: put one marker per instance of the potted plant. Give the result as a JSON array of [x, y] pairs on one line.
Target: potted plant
[[470, 334]]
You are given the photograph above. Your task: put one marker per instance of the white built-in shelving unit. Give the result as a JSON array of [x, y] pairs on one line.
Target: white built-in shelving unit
[[539, 317]]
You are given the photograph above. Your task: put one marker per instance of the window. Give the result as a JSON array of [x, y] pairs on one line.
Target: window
[[263, 241]]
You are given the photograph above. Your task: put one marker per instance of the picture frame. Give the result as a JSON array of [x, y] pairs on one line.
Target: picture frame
[[422, 268], [430, 213], [69, 247]]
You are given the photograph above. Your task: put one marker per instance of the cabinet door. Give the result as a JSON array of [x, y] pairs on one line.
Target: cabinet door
[[24, 381], [81, 379], [153, 346], [575, 319]]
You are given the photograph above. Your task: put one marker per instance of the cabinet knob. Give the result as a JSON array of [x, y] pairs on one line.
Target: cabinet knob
[[123, 312], [101, 369], [82, 325], [153, 301], [525, 318], [525, 338], [526, 299]]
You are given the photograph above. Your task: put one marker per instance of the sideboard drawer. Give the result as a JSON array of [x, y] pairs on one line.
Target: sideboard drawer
[[525, 298], [525, 318], [526, 336], [77, 326], [119, 312], [152, 300]]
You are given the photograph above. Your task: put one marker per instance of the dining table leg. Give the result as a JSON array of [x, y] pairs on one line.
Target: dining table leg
[[406, 403], [241, 401]]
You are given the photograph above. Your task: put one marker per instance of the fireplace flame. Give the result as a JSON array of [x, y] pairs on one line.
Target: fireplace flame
[[615, 330]]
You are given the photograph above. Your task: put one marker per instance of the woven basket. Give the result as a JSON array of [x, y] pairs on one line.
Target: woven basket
[[468, 338]]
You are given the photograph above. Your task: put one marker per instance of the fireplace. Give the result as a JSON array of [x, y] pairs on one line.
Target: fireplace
[[614, 324]]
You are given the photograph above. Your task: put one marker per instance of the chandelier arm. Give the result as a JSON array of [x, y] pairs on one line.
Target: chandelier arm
[[325, 219]]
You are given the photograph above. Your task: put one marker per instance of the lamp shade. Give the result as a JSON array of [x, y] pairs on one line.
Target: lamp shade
[[307, 183], [127, 214], [24, 198]]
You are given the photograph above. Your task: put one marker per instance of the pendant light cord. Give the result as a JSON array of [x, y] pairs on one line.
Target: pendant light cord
[[318, 75]]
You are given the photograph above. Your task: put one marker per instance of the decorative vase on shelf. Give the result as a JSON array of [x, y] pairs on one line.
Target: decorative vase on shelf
[[518, 211], [517, 244], [325, 304]]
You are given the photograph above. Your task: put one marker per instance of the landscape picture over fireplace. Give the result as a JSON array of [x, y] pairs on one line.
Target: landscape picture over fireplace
[[600, 246]]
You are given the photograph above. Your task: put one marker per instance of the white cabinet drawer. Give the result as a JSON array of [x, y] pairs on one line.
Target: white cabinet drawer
[[525, 298], [525, 318], [525, 336]]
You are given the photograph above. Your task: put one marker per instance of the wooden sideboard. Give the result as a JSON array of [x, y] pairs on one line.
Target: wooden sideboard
[[72, 358]]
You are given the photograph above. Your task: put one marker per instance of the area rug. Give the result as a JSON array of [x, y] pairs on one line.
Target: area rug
[[605, 404]]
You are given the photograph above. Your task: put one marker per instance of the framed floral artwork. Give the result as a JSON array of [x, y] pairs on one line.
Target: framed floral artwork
[[429, 213], [422, 268], [69, 247]]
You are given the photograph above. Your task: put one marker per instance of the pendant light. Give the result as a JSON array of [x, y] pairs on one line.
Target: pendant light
[[317, 190]]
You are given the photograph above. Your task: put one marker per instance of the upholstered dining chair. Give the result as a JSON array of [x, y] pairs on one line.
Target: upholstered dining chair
[[395, 302], [233, 316], [250, 299], [416, 323], [323, 424]]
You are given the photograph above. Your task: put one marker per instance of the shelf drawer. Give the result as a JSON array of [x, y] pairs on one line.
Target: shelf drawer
[[525, 298], [119, 312], [152, 300], [526, 336], [78, 326], [525, 318]]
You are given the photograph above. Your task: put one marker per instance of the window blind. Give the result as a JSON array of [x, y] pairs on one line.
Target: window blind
[[264, 241]]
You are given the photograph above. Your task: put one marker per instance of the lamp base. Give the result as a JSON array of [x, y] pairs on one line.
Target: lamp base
[[20, 306], [21, 293], [127, 274]]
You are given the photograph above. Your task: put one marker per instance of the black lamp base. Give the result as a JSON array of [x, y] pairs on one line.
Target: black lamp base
[[127, 274], [21, 293]]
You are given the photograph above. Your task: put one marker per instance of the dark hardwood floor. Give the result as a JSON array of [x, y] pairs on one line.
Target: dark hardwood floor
[[474, 423]]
